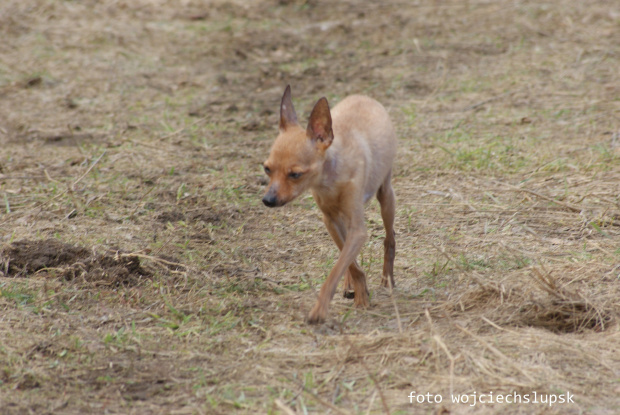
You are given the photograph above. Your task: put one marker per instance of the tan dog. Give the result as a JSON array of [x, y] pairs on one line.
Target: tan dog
[[344, 157]]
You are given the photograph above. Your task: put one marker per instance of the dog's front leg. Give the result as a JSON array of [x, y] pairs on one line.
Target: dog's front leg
[[356, 236], [337, 230]]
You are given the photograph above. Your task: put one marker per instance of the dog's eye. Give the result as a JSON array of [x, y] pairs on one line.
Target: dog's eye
[[294, 175], [267, 169]]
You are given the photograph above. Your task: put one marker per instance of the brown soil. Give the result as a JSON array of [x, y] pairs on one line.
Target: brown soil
[[23, 258]]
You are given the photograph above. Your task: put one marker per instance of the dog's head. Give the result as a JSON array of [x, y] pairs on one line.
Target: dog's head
[[296, 158]]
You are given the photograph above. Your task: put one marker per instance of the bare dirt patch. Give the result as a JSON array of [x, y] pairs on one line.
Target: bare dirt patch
[[24, 258]]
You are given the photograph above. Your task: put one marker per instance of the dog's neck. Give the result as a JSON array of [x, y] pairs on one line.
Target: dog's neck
[[330, 169]]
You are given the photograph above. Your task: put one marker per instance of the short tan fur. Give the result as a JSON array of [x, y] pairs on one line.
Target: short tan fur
[[344, 157]]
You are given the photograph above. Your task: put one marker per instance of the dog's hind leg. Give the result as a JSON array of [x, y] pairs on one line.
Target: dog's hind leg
[[386, 198]]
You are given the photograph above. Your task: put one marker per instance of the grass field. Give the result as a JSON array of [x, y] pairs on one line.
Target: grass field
[[140, 272]]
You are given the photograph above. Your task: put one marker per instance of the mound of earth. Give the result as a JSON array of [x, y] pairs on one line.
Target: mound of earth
[[23, 258]]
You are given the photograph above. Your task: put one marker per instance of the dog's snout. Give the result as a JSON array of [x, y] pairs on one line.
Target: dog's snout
[[270, 200]]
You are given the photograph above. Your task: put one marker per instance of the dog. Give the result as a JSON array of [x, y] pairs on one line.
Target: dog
[[344, 156]]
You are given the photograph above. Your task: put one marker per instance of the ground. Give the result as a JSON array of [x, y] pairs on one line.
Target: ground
[[140, 272]]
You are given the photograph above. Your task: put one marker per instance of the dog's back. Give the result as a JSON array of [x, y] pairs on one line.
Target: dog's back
[[362, 126]]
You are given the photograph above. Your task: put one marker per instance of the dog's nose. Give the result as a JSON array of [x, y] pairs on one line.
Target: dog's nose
[[269, 200]]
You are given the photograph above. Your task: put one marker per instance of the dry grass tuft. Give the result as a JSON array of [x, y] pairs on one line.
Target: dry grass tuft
[[566, 311]]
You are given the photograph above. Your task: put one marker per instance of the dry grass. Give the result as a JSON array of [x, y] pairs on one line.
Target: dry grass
[[132, 132]]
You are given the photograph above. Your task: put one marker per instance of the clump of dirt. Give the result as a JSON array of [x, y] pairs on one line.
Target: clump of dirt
[[565, 310], [566, 316], [559, 309], [23, 258]]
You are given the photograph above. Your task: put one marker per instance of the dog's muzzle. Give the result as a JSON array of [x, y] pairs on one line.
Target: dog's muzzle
[[270, 201]]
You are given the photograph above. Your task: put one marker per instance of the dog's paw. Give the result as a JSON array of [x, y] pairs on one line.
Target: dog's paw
[[350, 294], [385, 282], [362, 301], [317, 315]]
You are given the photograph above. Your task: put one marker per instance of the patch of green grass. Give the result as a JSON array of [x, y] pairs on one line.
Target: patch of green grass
[[233, 397], [411, 113], [597, 227], [438, 269], [107, 379], [499, 153], [302, 286], [118, 338], [605, 153], [557, 165], [367, 258], [18, 293], [513, 262], [221, 324], [469, 264]]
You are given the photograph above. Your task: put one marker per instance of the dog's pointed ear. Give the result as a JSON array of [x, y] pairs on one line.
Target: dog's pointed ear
[[320, 125], [287, 111]]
